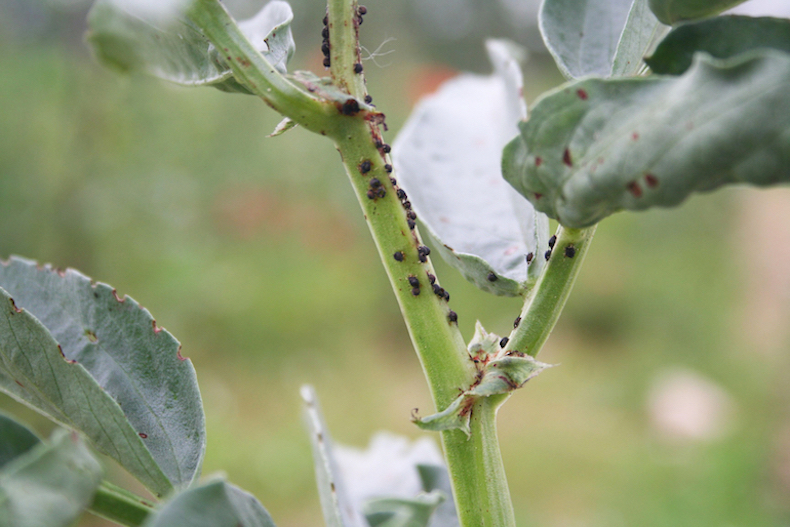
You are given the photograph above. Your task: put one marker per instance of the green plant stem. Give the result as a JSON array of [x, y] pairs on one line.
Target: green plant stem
[[261, 77], [545, 301], [475, 465], [119, 505]]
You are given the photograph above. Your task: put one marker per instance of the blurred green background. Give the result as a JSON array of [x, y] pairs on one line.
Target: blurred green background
[[253, 252]]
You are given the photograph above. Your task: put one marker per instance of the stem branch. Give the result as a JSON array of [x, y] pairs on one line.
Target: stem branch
[[119, 505]]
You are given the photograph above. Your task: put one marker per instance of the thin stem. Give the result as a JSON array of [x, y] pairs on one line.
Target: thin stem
[[257, 74], [545, 302], [119, 505]]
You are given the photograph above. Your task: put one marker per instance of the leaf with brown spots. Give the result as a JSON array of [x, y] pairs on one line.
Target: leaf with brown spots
[[637, 143]]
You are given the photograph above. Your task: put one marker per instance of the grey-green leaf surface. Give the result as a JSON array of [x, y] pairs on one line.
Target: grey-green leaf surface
[[75, 351], [402, 512], [447, 158], [215, 504], [127, 37], [338, 509], [598, 146], [15, 439], [436, 478], [721, 37], [50, 485], [672, 11], [594, 37]]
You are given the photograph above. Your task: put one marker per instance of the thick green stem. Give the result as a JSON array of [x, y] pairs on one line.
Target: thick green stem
[[545, 302], [119, 505], [475, 464]]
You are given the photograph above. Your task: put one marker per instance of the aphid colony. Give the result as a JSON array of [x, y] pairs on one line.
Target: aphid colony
[[326, 47]]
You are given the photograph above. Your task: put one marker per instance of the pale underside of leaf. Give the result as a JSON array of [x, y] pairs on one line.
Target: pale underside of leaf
[[337, 508], [402, 512], [128, 37], [215, 504], [50, 485], [591, 37], [104, 368], [447, 157], [597, 146]]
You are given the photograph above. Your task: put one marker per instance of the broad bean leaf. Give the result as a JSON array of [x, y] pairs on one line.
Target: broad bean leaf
[[402, 512], [598, 146], [335, 503], [76, 352], [594, 37], [447, 158], [215, 504], [721, 37], [129, 38], [673, 11], [15, 439], [50, 485]]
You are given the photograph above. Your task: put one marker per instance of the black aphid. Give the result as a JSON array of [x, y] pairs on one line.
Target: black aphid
[[422, 249], [547, 255], [325, 47], [412, 225], [364, 166], [401, 194], [368, 99], [570, 251], [326, 19], [436, 288], [386, 149], [552, 241], [325, 32], [358, 67], [371, 194], [446, 296], [414, 281], [503, 342], [492, 277], [415, 291], [394, 182], [374, 182], [452, 316], [516, 322], [431, 278], [350, 107], [362, 10], [407, 205], [398, 256], [411, 215], [530, 256], [327, 62], [388, 168]]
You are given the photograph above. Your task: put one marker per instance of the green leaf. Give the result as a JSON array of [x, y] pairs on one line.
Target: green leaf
[[50, 485], [15, 439], [597, 146], [127, 36], [402, 512], [338, 509], [673, 11], [76, 352], [594, 37], [721, 37], [447, 159], [215, 504]]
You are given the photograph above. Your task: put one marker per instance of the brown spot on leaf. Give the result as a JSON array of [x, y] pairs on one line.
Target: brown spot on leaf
[[538, 161], [143, 435], [651, 180], [634, 188], [538, 195], [156, 329], [13, 304], [582, 94], [178, 354], [19, 383], [635, 136], [91, 335], [566, 158]]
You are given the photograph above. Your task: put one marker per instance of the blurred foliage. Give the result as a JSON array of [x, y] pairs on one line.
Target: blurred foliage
[[253, 253]]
